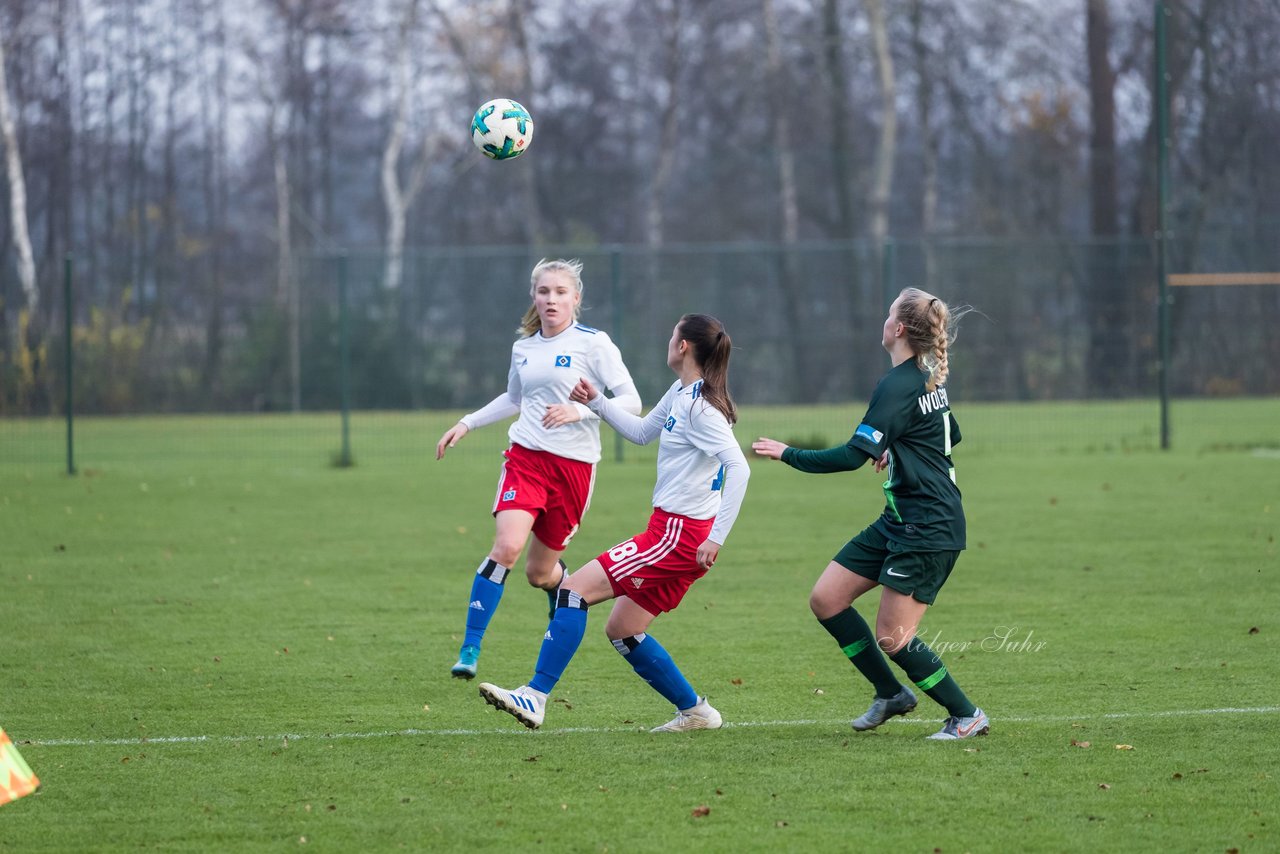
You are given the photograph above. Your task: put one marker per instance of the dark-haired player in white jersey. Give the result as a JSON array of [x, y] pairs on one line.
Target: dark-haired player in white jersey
[[702, 477], [911, 549], [550, 468]]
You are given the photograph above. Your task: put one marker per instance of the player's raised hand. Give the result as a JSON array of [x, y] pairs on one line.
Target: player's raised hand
[[450, 438], [560, 414], [770, 448], [583, 392]]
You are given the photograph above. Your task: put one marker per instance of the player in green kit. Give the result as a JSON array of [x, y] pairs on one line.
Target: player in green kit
[[910, 550]]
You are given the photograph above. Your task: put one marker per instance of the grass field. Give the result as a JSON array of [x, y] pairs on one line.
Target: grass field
[[215, 641]]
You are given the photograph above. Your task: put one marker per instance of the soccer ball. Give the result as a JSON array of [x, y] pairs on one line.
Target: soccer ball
[[502, 129]]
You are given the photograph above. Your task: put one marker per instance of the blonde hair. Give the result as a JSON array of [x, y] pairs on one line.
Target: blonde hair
[[531, 323], [930, 326]]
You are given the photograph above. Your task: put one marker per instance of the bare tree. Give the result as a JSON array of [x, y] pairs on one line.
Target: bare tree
[[1102, 111], [213, 61], [929, 137], [838, 108], [671, 29], [397, 198], [1107, 295], [521, 12], [885, 149], [795, 296], [17, 198]]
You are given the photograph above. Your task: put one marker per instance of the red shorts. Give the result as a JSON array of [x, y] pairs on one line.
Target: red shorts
[[554, 490], [656, 568]]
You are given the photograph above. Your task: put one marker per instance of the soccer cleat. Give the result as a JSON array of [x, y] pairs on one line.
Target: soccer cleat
[[524, 704], [881, 710], [465, 667], [701, 716], [954, 728]]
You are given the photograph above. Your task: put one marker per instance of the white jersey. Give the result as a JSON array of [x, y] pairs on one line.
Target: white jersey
[[696, 446], [544, 371]]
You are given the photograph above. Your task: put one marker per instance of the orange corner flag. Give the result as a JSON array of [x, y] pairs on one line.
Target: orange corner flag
[[16, 778]]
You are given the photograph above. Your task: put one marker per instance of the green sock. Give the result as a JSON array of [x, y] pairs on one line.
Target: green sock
[[925, 669], [856, 641]]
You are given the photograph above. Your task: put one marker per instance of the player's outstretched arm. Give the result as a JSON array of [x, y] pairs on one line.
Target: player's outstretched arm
[[770, 448], [502, 406], [450, 438]]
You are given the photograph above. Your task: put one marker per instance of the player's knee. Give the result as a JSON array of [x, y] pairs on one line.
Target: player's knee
[[546, 576], [889, 640], [824, 605], [506, 552]]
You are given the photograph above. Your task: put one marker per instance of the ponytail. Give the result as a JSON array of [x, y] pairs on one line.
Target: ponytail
[[711, 349]]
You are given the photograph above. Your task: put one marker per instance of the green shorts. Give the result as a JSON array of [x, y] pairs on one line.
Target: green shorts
[[912, 573]]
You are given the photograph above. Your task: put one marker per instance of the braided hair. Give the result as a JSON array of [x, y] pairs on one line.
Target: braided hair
[[930, 326]]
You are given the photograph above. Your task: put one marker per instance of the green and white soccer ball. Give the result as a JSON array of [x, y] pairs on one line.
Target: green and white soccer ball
[[502, 129]]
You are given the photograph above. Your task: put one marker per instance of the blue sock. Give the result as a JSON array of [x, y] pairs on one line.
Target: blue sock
[[654, 665], [486, 593], [563, 637]]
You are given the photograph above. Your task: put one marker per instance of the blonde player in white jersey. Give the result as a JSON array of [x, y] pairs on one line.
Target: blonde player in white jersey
[[550, 468], [702, 478]]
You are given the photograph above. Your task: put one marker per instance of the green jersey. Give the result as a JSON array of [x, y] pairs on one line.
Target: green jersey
[[922, 502]]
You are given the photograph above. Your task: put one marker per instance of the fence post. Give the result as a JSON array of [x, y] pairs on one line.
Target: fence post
[[1162, 225], [615, 299], [69, 328], [344, 460]]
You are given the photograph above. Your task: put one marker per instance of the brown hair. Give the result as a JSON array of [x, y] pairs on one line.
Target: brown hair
[[711, 349], [930, 326], [531, 323]]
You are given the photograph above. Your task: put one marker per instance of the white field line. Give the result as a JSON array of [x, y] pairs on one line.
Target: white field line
[[515, 730]]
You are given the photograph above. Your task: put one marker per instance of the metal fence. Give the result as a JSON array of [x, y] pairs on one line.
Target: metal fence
[[805, 321]]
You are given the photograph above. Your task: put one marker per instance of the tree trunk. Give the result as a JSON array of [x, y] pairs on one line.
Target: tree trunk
[[1107, 295], [838, 107], [1102, 111], [885, 148], [535, 228], [928, 139], [18, 200], [673, 62], [214, 179], [395, 198], [794, 294]]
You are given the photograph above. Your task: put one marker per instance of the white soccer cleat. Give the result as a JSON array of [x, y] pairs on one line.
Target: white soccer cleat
[[701, 716], [524, 704], [954, 728]]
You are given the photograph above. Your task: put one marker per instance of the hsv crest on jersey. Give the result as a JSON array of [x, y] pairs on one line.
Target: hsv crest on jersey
[[637, 581], [563, 361], [671, 423]]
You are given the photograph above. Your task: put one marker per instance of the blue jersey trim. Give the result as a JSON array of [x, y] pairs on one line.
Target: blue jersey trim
[[586, 329], [869, 433]]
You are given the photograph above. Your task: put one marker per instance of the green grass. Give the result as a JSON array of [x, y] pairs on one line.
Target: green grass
[[216, 579]]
